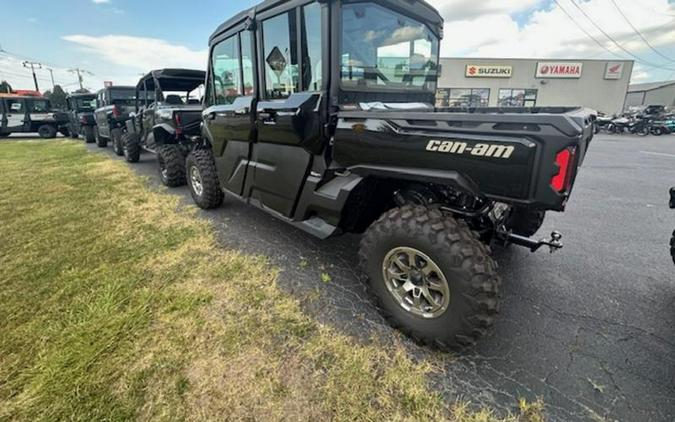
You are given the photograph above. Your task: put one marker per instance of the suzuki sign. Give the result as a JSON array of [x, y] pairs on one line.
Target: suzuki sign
[[481, 71], [614, 70], [559, 70]]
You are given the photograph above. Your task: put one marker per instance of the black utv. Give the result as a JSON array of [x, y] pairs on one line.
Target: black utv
[[114, 104], [167, 115], [321, 113], [81, 120], [26, 114]]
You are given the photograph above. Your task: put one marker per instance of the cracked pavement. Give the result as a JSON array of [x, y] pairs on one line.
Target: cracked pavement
[[589, 329]]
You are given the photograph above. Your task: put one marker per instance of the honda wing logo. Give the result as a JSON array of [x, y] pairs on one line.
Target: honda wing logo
[[478, 150]]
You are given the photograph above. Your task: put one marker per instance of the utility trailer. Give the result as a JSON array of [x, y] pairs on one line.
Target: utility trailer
[[321, 113]]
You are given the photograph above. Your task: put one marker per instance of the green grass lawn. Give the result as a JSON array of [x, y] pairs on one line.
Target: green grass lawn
[[116, 303]]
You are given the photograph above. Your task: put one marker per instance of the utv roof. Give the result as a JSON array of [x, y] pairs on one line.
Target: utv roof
[[428, 12], [173, 79], [82, 94]]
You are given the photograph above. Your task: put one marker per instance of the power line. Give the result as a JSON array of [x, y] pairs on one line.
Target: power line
[[615, 42], [588, 34], [637, 31]]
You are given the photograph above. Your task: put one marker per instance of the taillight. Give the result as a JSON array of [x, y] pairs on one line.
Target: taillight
[[116, 112], [179, 129], [562, 181]]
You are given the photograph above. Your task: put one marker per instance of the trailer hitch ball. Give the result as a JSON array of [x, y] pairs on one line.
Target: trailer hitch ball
[[554, 243]]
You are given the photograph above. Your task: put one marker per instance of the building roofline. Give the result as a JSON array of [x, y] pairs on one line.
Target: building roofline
[[538, 59]]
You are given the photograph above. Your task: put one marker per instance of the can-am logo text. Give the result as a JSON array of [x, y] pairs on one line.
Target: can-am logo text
[[478, 150]]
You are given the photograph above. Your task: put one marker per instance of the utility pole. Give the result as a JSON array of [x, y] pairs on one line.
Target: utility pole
[[32, 65], [79, 73], [51, 73]]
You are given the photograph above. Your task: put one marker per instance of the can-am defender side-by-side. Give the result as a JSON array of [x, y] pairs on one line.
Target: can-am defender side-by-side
[[30, 114], [167, 116], [114, 104], [81, 120], [321, 113]]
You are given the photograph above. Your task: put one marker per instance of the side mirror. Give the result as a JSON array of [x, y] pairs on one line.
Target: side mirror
[[672, 198]]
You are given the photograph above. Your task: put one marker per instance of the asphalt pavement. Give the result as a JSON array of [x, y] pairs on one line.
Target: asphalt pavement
[[589, 329]]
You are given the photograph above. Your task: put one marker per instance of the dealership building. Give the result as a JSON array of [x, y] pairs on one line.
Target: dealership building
[[597, 84], [655, 93]]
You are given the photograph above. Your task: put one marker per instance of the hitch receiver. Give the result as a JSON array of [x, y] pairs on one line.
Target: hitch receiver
[[554, 243]]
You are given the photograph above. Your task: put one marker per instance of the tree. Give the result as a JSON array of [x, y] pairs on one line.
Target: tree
[[5, 87], [57, 97], [82, 91]]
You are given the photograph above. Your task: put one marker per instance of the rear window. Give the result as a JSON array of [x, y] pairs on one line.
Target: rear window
[[38, 106]]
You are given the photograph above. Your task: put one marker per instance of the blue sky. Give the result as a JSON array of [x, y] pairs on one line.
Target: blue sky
[[119, 39]]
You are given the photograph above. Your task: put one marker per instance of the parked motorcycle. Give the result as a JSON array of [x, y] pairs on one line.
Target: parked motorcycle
[[602, 123]]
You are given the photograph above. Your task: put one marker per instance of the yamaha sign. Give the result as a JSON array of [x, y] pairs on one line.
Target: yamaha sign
[[559, 70], [482, 71]]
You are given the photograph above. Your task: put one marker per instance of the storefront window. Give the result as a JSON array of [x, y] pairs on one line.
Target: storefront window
[[517, 97], [462, 97]]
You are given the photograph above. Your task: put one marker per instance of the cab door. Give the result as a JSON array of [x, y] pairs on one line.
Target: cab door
[[15, 114], [288, 117], [230, 106]]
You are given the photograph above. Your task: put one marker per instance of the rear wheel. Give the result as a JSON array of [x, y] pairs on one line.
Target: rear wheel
[[131, 147], [47, 131], [88, 132], [171, 165], [432, 277], [672, 247], [525, 221], [116, 138], [203, 179], [101, 142], [65, 132], [643, 131]]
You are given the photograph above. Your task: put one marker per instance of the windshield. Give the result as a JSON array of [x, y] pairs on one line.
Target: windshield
[[384, 49], [85, 104], [123, 96]]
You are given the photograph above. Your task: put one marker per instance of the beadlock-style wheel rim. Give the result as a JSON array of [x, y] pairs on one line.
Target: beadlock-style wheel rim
[[416, 282], [196, 180]]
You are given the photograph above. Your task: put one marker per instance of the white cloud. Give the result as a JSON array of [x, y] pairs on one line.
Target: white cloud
[[100, 1], [141, 54], [489, 29], [457, 10]]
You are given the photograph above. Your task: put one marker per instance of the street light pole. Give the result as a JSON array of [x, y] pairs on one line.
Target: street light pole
[[32, 65]]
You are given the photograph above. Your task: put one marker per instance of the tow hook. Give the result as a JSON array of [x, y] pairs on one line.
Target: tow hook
[[554, 243]]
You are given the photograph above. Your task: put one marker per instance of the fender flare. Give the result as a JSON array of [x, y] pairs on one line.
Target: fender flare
[[441, 177]]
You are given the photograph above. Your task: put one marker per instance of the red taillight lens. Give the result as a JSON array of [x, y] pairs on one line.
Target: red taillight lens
[[116, 111], [564, 161], [179, 129]]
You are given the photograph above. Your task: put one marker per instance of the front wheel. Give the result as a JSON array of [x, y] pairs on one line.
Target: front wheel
[[47, 131], [643, 131], [672, 247], [116, 138], [88, 133], [101, 142], [131, 147], [171, 165], [202, 178], [431, 276]]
